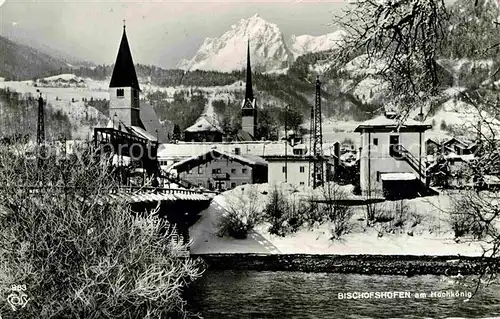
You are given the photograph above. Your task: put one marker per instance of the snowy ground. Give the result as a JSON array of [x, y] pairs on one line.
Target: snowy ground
[[432, 236]]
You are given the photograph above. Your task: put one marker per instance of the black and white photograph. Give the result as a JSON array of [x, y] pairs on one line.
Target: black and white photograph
[[335, 159]]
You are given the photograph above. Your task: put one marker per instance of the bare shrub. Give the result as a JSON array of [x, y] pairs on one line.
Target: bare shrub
[[383, 216], [243, 213], [285, 213], [312, 215], [373, 209], [338, 214], [275, 212], [402, 213], [80, 253], [396, 216], [471, 215]]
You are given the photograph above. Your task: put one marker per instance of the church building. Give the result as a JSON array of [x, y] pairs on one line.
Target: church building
[[127, 112], [249, 106]]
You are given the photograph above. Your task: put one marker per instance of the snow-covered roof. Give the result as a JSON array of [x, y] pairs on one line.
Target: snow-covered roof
[[202, 125], [383, 122], [491, 179], [142, 133], [397, 176], [63, 77], [465, 158], [151, 122], [152, 126], [430, 140], [294, 158], [300, 146], [194, 161], [243, 136], [188, 149], [460, 143], [154, 197]]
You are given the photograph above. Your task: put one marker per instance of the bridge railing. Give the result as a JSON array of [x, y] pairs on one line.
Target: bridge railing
[[164, 190], [127, 189]]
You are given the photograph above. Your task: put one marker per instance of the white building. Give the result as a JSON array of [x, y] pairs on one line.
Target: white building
[[170, 153], [292, 169], [392, 155]]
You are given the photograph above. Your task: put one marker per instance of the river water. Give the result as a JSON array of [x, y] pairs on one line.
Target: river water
[[250, 294]]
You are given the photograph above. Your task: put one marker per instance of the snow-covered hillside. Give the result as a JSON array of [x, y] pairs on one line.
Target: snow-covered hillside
[[65, 93], [269, 49]]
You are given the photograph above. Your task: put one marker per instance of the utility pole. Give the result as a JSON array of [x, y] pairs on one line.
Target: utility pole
[[311, 146], [316, 169], [40, 134], [40, 139]]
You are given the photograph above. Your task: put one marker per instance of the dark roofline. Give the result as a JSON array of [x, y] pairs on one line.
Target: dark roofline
[[209, 156], [456, 139], [294, 157], [248, 84], [390, 128], [124, 70]]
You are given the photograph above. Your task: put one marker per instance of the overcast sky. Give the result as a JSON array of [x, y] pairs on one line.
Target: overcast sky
[[159, 32]]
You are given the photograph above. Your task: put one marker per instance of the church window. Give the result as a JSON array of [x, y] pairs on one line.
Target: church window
[[120, 93]]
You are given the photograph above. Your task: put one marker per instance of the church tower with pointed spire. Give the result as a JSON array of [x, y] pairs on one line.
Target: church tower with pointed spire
[[124, 88], [249, 107]]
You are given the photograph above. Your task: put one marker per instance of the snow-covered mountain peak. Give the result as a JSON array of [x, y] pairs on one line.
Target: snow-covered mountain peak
[[268, 49], [228, 52]]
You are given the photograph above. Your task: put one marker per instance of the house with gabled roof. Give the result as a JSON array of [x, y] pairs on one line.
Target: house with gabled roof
[[203, 130], [219, 170], [170, 153], [459, 146]]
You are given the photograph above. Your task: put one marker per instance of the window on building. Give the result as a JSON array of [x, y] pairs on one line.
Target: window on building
[[302, 169], [378, 176], [283, 169], [375, 141], [237, 151], [298, 152], [120, 93], [233, 184], [244, 170], [200, 170], [136, 93], [394, 145], [233, 170], [302, 183], [214, 171]]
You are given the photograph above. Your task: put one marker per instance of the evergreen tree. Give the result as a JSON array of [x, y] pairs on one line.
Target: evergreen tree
[[176, 133]]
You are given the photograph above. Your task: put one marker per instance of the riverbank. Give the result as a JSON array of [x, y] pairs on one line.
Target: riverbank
[[428, 232], [406, 265], [424, 245]]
